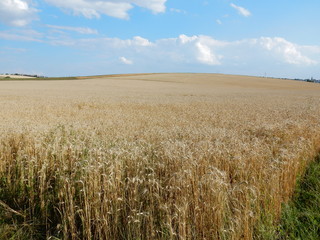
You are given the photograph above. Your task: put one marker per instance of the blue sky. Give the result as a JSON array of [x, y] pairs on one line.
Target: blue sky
[[91, 37]]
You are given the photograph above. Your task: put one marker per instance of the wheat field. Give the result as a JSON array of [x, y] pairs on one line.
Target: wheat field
[[152, 156]]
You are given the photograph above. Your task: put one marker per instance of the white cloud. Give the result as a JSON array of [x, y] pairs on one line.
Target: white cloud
[[126, 61], [140, 41], [81, 30], [16, 12], [242, 11], [185, 39], [275, 56], [156, 6], [176, 10], [17, 37], [286, 50], [205, 55], [21, 35], [203, 50], [183, 49], [113, 8], [114, 44], [218, 21]]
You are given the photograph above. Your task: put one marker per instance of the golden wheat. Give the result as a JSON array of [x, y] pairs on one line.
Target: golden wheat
[[162, 156]]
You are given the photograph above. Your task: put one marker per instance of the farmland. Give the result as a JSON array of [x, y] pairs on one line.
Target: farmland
[[152, 156]]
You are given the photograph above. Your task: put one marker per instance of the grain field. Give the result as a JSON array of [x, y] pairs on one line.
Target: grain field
[[152, 156]]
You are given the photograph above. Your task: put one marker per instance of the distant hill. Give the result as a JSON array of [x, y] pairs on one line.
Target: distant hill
[[17, 76]]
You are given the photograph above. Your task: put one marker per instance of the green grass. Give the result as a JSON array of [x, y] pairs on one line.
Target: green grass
[[301, 217]]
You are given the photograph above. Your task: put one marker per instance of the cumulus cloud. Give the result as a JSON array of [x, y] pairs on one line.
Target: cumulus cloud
[[205, 55], [16, 12], [188, 53], [190, 49], [126, 60], [156, 6], [81, 30], [140, 41], [186, 39], [286, 50], [241, 10], [203, 50], [113, 8]]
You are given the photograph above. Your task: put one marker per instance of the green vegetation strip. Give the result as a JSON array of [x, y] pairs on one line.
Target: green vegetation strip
[[301, 217]]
